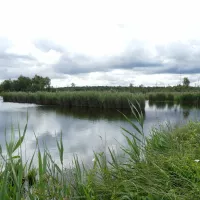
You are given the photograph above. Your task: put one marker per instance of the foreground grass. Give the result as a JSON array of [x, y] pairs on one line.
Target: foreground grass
[[163, 166], [89, 99]]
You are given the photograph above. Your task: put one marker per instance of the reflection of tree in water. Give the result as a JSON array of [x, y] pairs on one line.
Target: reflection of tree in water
[[162, 104], [186, 113], [176, 108], [91, 113], [170, 104], [151, 104], [158, 104]]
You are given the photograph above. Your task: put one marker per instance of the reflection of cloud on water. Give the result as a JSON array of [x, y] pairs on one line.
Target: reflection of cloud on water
[[80, 136], [47, 124], [15, 107]]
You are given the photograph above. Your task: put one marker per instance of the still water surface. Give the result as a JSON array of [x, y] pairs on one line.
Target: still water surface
[[84, 131]]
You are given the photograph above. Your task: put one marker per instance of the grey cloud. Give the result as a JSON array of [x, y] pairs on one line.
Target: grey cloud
[[172, 58], [175, 51], [181, 58], [74, 65], [47, 45], [77, 64], [13, 65], [180, 52], [178, 69], [11, 57]]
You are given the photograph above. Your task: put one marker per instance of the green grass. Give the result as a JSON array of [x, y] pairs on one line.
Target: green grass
[[161, 166], [88, 99], [101, 99], [184, 98], [162, 96], [189, 98]]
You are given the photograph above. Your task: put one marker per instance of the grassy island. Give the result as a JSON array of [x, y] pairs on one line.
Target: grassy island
[[86, 99]]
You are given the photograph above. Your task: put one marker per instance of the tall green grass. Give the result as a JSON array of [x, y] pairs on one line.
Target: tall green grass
[[90, 99], [164, 165], [184, 98], [161, 96], [101, 100], [189, 98]]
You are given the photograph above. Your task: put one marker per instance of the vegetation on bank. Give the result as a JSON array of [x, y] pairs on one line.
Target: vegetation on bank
[[39, 83], [163, 166], [38, 90], [102, 100], [183, 98]]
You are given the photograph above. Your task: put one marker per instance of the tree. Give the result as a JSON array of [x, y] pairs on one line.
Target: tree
[[73, 85], [6, 85], [39, 83], [23, 83], [186, 82]]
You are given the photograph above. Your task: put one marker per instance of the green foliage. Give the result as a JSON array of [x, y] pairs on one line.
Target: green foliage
[[101, 100], [6, 85], [134, 89], [188, 98], [176, 97], [90, 99], [157, 96], [186, 82], [37, 83]]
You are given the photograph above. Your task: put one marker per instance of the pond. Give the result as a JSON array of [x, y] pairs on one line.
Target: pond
[[83, 131]]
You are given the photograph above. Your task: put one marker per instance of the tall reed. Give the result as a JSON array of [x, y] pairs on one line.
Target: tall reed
[[103, 100]]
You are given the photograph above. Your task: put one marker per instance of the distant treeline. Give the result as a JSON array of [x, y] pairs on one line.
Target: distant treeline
[[26, 84], [39, 83], [132, 89]]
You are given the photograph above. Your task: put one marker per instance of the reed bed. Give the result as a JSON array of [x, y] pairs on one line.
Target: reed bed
[[176, 97], [88, 99], [161, 96], [188, 98], [163, 166], [101, 100]]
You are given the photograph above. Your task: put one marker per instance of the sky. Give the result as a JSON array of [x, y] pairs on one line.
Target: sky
[[101, 42]]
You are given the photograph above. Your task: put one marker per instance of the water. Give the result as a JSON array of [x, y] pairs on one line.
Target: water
[[84, 131]]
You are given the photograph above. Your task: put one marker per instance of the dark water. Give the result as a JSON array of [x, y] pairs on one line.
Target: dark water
[[84, 131]]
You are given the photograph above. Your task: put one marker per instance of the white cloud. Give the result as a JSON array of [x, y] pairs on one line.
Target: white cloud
[[106, 32]]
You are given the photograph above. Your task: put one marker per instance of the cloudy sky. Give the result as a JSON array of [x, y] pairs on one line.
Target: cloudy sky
[[101, 42]]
